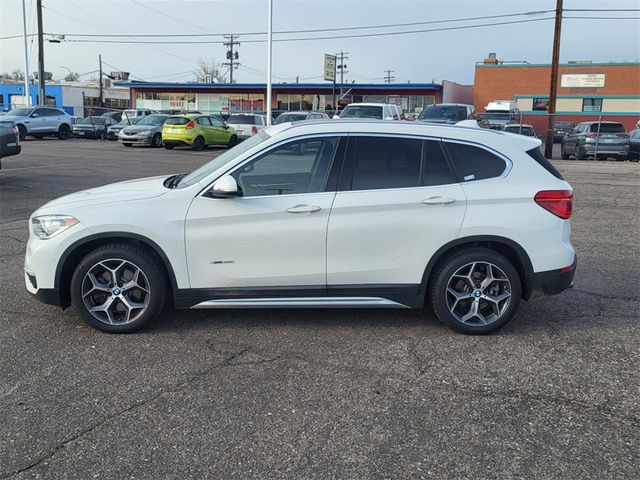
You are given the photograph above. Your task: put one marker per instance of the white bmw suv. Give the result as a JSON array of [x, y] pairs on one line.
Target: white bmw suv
[[318, 214]]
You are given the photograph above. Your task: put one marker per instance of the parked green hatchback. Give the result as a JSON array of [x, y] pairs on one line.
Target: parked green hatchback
[[197, 132]]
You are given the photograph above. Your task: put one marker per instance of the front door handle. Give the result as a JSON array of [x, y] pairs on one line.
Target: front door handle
[[438, 200], [303, 209]]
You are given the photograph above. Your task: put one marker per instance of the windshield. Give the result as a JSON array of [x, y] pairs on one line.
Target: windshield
[[242, 119], [20, 112], [290, 117], [608, 128], [448, 113], [127, 121], [200, 173], [361, 111], [153, 120], [93, 120], [177, 121], [497, 115]]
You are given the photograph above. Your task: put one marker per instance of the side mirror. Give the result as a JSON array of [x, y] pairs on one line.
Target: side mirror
[[225, 187], [335, 117], [226, 127], [34, 115]]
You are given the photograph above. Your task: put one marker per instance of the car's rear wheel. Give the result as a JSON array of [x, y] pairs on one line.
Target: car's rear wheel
[[118, 288], [579, 154], [64, 132], [476, 291], [22, 132], [198, 144], [156, 141], [233, 141]]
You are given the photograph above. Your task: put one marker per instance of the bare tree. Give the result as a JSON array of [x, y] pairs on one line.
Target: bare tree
[[72, 77], [17, 75], [209, 67]]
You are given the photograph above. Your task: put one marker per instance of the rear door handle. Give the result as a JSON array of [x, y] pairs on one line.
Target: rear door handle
[[303, 209], [438, 200]]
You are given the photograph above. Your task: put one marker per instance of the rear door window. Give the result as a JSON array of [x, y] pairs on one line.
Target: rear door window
[[203, 121], [475, 163]]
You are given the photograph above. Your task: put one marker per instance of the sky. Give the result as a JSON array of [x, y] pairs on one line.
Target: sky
[[417, 57]]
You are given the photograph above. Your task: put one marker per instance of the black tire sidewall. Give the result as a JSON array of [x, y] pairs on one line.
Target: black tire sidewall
[[156, 141], [198, 144], [233, 141], [140, 258], [22, 132], [64, 132], [437, 294]]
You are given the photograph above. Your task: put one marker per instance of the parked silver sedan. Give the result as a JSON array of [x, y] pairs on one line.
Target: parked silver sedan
[[146, 132]]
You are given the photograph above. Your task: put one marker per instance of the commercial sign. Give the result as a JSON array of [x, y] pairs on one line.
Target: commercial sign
[[577, 80], [330, 67]]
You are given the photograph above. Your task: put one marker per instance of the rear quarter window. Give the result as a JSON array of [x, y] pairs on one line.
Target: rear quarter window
[[475, 163], [537, 155]]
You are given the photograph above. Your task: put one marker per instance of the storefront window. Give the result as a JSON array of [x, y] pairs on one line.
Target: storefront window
[[540, 103], [592, 105]]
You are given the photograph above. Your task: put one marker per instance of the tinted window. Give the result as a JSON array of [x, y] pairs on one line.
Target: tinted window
[[216, 122], [285, 117], [177, 121], [361, 111], [242, 119], [41, 112], [537, 155], [385, 162], [153, 120], [293, 168], [52, 112], [475, 163], [436, 170], [203, 121], [608, 128], [450, 112]]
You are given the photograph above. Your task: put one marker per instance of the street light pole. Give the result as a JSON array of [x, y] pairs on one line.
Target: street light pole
[[269, 43], [27, 97], [42, 99]]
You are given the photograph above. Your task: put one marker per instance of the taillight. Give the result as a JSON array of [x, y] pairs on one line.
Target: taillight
[[190, 125], [254, 129], [591, 135], [558, 202], [622, 135]]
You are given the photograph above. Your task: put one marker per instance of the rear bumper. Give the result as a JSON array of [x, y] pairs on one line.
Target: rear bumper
[[176, 142], [606, 149], [551, 282]]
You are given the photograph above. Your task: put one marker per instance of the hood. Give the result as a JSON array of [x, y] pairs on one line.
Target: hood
[[120, 192]]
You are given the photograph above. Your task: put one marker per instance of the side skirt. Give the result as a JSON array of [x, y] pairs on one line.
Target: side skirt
[[302, 302]]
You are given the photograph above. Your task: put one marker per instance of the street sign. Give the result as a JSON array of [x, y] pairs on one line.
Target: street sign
[[330, 67]]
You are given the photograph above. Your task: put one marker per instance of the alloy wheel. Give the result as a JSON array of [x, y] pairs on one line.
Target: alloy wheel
[[478, 293], [115, 291]]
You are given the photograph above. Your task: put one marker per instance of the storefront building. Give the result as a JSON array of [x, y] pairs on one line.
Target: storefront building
[[586, 91], [221, 98]]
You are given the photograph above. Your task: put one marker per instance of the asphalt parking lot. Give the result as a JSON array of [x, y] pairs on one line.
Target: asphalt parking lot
[[321, 393]]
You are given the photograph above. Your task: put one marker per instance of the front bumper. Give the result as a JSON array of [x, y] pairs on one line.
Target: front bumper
[[84, 133], [135, 139], [551, 282]]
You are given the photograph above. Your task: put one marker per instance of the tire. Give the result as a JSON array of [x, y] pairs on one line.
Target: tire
[[156, 141], [169, 147], [563, 155], [198, 144], [497, 302], [22, 132], [233, 141], [578, 154], [126, 144], [101, 279], [64, 132]]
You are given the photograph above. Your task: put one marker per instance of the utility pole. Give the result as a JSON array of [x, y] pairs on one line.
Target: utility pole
[[100, 80], [41, 94], [342, 56], [269, 52], [553, 88], [27, 96], [388, 77], [232, 57]]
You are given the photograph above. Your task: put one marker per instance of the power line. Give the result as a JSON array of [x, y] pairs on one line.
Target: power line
[[388, 78]]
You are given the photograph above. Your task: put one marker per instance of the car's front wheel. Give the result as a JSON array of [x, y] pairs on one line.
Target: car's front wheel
[[22, 132], [118, 288], [156, 141], [233, 141], [476, 291]]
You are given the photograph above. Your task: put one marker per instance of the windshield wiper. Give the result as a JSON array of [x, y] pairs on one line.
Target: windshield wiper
[[172, 182]]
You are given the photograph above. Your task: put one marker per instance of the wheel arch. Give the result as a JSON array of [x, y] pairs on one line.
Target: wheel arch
[[506, 247], [77, 250]]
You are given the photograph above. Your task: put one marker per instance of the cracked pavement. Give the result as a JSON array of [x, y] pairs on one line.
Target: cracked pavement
[[321, 393]]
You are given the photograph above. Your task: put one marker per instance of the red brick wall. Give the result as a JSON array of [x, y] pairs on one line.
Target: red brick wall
[[504, 82]]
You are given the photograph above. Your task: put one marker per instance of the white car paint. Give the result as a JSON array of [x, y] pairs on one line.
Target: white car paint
[[370, 237]]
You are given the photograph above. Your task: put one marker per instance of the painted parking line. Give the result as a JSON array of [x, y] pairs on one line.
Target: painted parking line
[[33, 168]]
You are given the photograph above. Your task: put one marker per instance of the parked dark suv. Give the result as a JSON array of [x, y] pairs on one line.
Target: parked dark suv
[[610, 139], [560, 129]]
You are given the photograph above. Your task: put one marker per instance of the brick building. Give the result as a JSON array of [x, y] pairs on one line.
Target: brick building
[[585, 90]]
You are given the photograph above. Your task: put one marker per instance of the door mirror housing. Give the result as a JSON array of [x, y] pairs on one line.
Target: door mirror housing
[[225, 187], [335, 117], [34, 115]]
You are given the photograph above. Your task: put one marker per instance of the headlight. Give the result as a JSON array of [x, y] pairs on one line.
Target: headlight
[[145, 133], [47, 226]]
